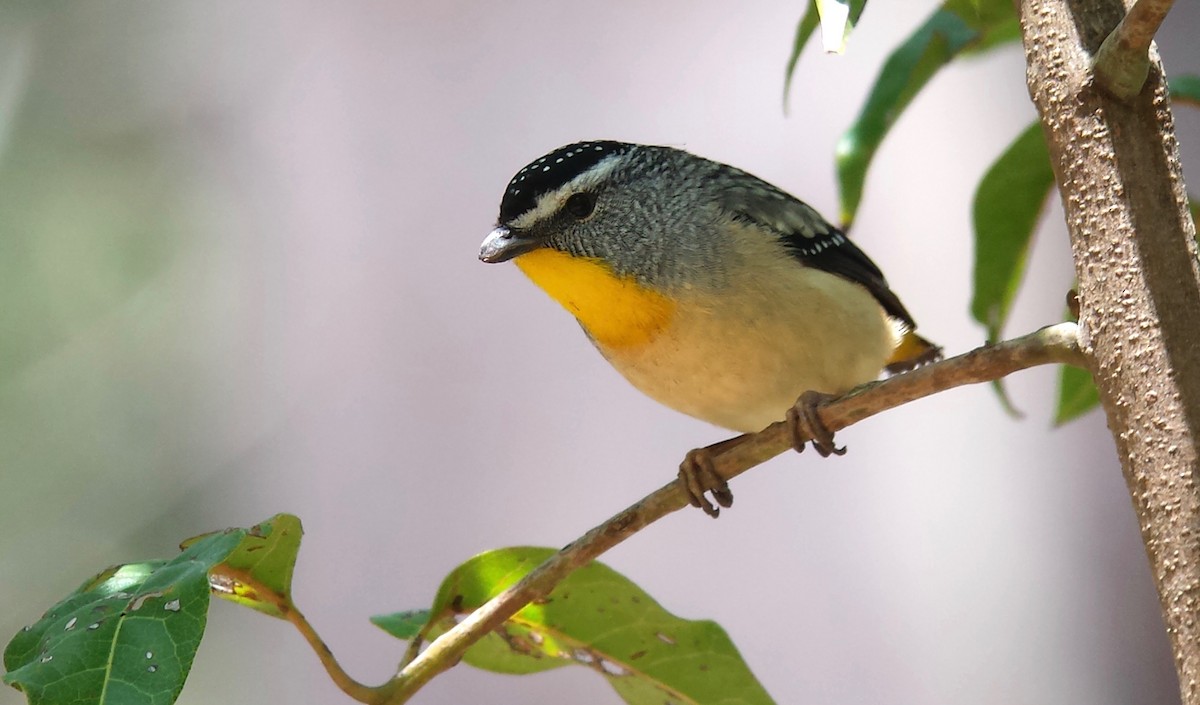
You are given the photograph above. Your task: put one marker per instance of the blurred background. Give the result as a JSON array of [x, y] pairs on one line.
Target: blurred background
[[238, 272]]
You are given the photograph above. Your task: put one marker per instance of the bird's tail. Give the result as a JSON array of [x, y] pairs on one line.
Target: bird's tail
[[912, 352]]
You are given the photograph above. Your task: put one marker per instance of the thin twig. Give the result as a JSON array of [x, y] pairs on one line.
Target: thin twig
[[358, 691], [413, 650], [234, 584], [1123, 61], [415, 644], [1058, 343]]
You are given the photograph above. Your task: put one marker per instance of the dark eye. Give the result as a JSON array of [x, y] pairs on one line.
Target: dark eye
[[580, 205]]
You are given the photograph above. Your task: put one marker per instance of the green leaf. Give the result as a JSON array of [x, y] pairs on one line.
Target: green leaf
[[402, 625], [1007, 31], [127, 636], [995, 20], [258, 573], [905, 72], [1185, 89], [1008, 203], [1006, 402], [1077, 394], [955, 28], [804, 30], [813, 16], [599, 619]]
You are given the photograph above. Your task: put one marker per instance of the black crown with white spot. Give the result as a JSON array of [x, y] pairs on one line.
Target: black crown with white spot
[[550, 172]]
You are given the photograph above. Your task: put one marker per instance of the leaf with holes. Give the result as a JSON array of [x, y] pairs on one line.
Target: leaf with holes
[[956, 27], [126, 636], [599, 619], [1008, 203], [258, 573]]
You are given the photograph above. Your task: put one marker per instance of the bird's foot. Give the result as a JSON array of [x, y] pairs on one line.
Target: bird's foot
[[699, 475], [804, 419]]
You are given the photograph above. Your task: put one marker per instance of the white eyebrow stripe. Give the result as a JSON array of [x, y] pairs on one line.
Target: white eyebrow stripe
[[549, 202]]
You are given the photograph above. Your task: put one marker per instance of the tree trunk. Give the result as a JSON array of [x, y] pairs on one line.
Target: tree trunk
[[1118, 171]]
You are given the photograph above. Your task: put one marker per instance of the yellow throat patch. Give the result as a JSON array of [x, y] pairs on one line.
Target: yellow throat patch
[[616, 311]]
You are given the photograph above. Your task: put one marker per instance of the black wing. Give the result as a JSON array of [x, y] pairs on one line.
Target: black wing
[[810, 238]]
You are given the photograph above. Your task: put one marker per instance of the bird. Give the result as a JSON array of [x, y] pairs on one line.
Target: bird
[[709, 289]]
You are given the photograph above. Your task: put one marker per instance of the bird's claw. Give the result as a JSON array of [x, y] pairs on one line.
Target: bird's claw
[[699, 476], [804, 420]]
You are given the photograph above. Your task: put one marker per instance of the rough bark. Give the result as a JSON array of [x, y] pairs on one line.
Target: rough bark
[[1117, 166]]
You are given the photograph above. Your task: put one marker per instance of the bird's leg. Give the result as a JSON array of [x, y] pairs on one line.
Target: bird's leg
[[699, 475], [804, 419]]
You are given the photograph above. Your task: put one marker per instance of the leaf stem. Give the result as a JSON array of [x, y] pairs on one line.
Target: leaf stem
[[358, 691]]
